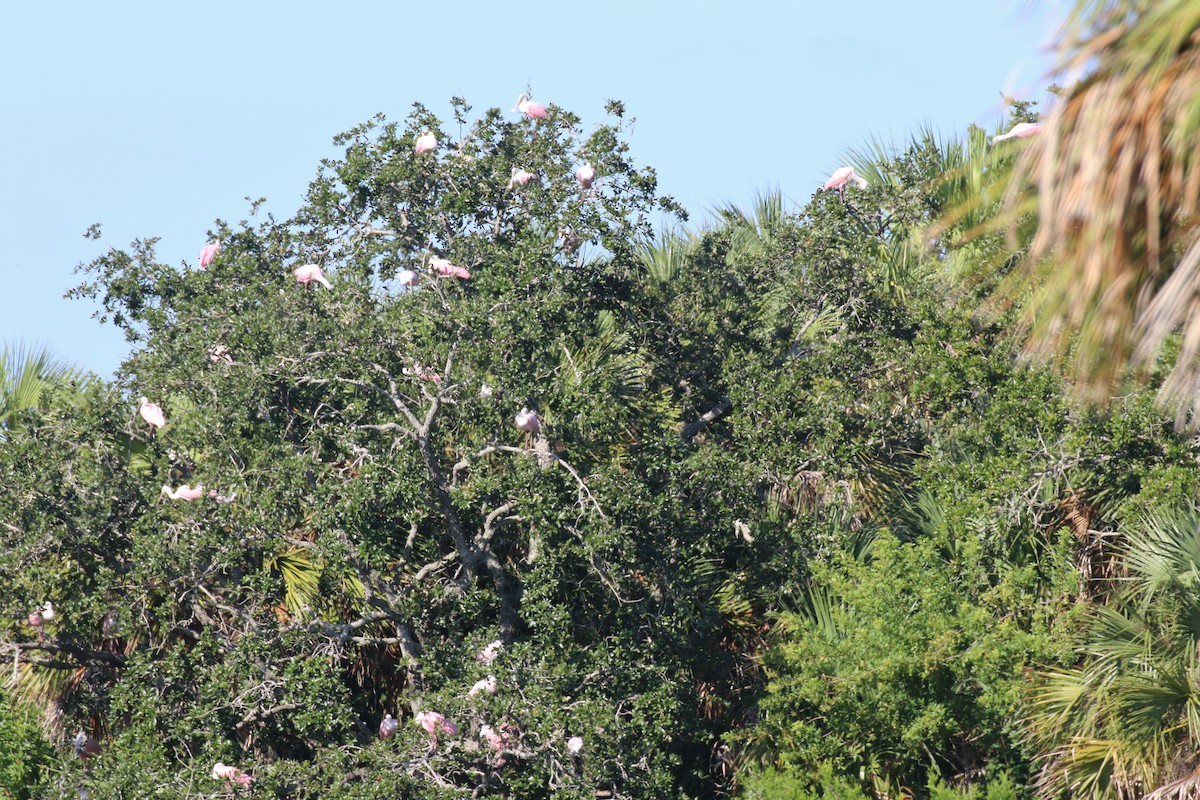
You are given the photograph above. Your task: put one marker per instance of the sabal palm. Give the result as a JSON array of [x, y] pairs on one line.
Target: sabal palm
[[1126, 721], [25, 377], [1116, 186]]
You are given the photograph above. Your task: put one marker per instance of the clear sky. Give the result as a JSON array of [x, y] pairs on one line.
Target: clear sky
[[155, 118]]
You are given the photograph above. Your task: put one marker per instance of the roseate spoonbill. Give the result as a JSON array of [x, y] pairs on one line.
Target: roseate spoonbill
[[520, 178], [494, 740], [407, 278], [311, 272], [487, 684], [387, 728], [1019, 131], [185, 492], [585, 175], [426, 142], [528, 421], [575, 745], [434, 723], [843, 175], [152, 413], [488, 654], [36, 619], [442, 266], [232, 774], [208, 253], [219, 354], [419, 371], [529, 108], [85, 746]]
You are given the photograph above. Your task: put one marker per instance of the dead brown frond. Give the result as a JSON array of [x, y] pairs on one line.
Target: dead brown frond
[[1116, 175]]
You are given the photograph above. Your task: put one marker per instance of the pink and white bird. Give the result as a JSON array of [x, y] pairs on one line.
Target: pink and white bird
[[529, 108], [41, 616], [407, 278], [208, 253], [387, 728], [585, 175], [495, 740], [418, 371], [488, 654], [520, 178], [528, 421], [426, 142], [311, 272], [1019, 131], [152, 413], [842, 176], [219, 354], [483, 685], [434, 723], [443, 267], [232, 774], [185, 492]]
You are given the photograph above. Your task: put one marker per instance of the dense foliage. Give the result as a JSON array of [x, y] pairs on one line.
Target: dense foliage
[[793, 521]]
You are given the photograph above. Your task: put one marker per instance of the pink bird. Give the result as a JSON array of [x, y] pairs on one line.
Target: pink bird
[[387, 728], [426, 142], [208, 253], [1019, 131], [231, 774], [520, 178], [219, 354], [585, 175], [495, 740], [487, 684], [434, 723], [442, 266], [311, 272], [529, 108], [528, 421], [184, 492], [843, 175], [488, 654], [419, 371], [36, 619], [152, 413], [407, 278]]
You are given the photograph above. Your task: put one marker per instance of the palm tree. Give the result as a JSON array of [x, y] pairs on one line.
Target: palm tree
[[1114, 176], [1125, 722], [26, 375]]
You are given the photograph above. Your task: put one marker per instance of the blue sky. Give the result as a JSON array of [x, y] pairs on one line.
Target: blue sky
[[155, 118]]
